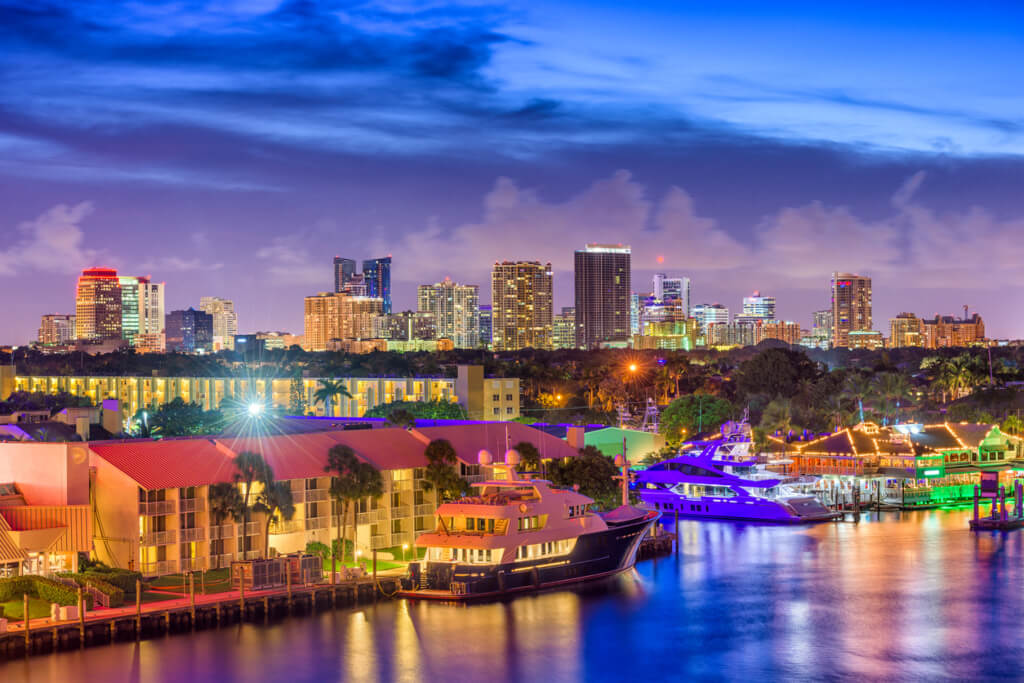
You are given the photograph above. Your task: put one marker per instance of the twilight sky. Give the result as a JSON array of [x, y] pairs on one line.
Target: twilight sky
[[232, 148]]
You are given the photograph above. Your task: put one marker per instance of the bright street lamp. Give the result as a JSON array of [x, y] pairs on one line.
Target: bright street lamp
[[255, 409], [405, 546]]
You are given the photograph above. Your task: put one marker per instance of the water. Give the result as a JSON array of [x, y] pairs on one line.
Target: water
[[911, 596]]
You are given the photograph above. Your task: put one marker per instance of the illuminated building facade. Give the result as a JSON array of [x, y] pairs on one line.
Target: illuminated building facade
[[783, 330], [563, 329], [851, 307], [758, 306], [344, 269], [946, 331], [377, 275], [871, 340], [602, 283], [455, 309], [672, 289], [521, 295], [339, 316], [56, 329], [225, 321], [98, 304], [189, 331], [906, 329]]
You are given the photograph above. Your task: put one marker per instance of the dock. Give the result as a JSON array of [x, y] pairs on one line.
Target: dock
[[190, 613], [1000, 517]]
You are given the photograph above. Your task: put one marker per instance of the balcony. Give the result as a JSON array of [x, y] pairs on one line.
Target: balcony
[[290, 526], [251, 555], [252, 528], [192, 564], [424, 510], [401, 511], [317, 523], [158, 568], [402, 485], [159, 538], [475, 478], [218, 561], [158, 507], [222, 531], [403, 538], [379, 542], [192, 535], [316, 495], [372, 517], [191, 505]]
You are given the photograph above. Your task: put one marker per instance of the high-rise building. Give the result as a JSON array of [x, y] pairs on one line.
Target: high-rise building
[[521, 301], [486, 325], [563, 329], [757, 306], [851, 307], [406, 326], [377, 274], [709, 314], [189, 331], [56, 329], [225, 320], [456, 311], [344, 269], [782, 330], [946, 331], [603, 287], [339, 316], [906, 329], [129, 307], [672, 289], [98, 305], [142, 307]]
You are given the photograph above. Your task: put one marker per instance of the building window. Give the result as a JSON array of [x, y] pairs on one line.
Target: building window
[[508, 411], [508, 397], [496, 411], [496, 397]]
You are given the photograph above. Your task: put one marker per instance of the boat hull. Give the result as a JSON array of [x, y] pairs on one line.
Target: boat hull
[[595, 556], [797, 511]]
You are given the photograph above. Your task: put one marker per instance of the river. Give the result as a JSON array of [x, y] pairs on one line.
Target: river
[[909, 596]]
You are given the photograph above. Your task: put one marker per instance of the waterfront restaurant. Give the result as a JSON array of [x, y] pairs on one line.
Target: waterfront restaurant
[[150, 499]]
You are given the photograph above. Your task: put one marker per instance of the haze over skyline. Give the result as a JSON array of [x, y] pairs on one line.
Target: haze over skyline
[[233, 148]]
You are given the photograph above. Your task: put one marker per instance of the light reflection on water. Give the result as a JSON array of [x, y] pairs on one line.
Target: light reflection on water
[[910, 596]]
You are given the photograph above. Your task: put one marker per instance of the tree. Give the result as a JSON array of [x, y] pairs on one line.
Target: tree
[[775, 372], [328, 391], [351, 480], [693, 414], [224, 502], [858, 388], [178, 418], [422, 410], [529, 457], [400, 417], [249, 468], [1013, 425], [892, 390], [441, 475], [593, 472], [296, 397], [778, 417], [274, 499]]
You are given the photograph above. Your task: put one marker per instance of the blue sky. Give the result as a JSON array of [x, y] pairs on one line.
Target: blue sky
[[232, 148]]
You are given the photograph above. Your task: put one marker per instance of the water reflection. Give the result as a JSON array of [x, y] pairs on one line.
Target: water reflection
[[899, 596]]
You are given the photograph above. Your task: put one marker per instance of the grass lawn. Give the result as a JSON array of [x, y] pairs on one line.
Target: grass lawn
[[215, 580], [381, 564], [37, 609]]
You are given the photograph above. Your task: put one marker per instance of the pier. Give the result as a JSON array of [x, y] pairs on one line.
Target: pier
[[1000, 517], [189, 613]]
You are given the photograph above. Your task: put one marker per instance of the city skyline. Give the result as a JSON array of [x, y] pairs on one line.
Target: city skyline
[[739, 180]]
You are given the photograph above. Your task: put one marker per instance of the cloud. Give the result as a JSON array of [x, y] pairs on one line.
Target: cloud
[[291, 264], [175, 264], [52, 243]]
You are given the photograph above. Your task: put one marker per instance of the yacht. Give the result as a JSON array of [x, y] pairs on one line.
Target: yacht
[[720, 479], [517, 535]]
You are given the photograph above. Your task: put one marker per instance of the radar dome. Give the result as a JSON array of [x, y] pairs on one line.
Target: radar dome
[[512, 457], [484, 457]]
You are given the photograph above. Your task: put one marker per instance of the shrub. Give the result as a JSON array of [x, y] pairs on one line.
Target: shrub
[[122, 578], [115, 593], [42, 588]]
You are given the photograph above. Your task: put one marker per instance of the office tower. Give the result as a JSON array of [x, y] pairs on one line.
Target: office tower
[[56, 329], [377, 273], [709, 314], [129, 307], [189, 331], [823, 321], [142, 307], [98, 304], [225, 320], [563, 329], [456, 311], [521, 300], [672, 289], [851, 307], [344, 269], [757, 306], [486, 326], [634, 313], [603, 286]]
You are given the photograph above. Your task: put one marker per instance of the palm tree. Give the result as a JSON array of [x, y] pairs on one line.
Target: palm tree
[[891, 388], [351, 480], [275, 499], [250, 467], [529, 457], [858, 387], [399, 417], [327, 391], [441, 474], [1013, 425], [224, 502]]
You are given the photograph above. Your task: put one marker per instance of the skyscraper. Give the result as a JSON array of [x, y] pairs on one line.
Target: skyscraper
[[521, 300], [851, 307], [602, 274], [757, 306], [486, 325], [56, 329], [563, 329], [142, 307], [98, 304], [189, 331], [377, 273], [344, 269], [672, 289], [710, 314], [129, 307], [225, 320], [456, 311], [333, 316]]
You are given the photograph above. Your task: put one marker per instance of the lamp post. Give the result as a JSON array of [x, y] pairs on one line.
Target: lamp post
[[405, 548]]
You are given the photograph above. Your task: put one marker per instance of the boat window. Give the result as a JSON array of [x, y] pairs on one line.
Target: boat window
[[692, 470]]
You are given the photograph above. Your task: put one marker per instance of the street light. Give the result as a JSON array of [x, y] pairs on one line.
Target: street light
[[405, 547], [255, 409], [632, 367]]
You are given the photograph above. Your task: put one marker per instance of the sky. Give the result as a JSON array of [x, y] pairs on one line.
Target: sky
[[232, 148]]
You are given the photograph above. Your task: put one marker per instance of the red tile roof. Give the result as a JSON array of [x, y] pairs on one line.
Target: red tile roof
[[169, 463]]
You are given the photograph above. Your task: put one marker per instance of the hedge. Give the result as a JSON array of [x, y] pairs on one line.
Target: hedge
[[115, 594], [40, 587], [122, 578]]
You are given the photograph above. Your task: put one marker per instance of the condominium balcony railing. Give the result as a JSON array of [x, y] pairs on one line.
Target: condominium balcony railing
[[475, 478], [373, 516], [219, 561], [159, 538], [251, 529], [192, 535], [402, 485], [403, 538], [379, 541], [192, 563], [222, 531], [158, 568], [401, 511], [158, 507], [316, 523], [252, 555], [424, 510], [289, 526], [191, 505]]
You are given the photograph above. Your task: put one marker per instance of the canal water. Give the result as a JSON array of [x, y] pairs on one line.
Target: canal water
[[907, 596]]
